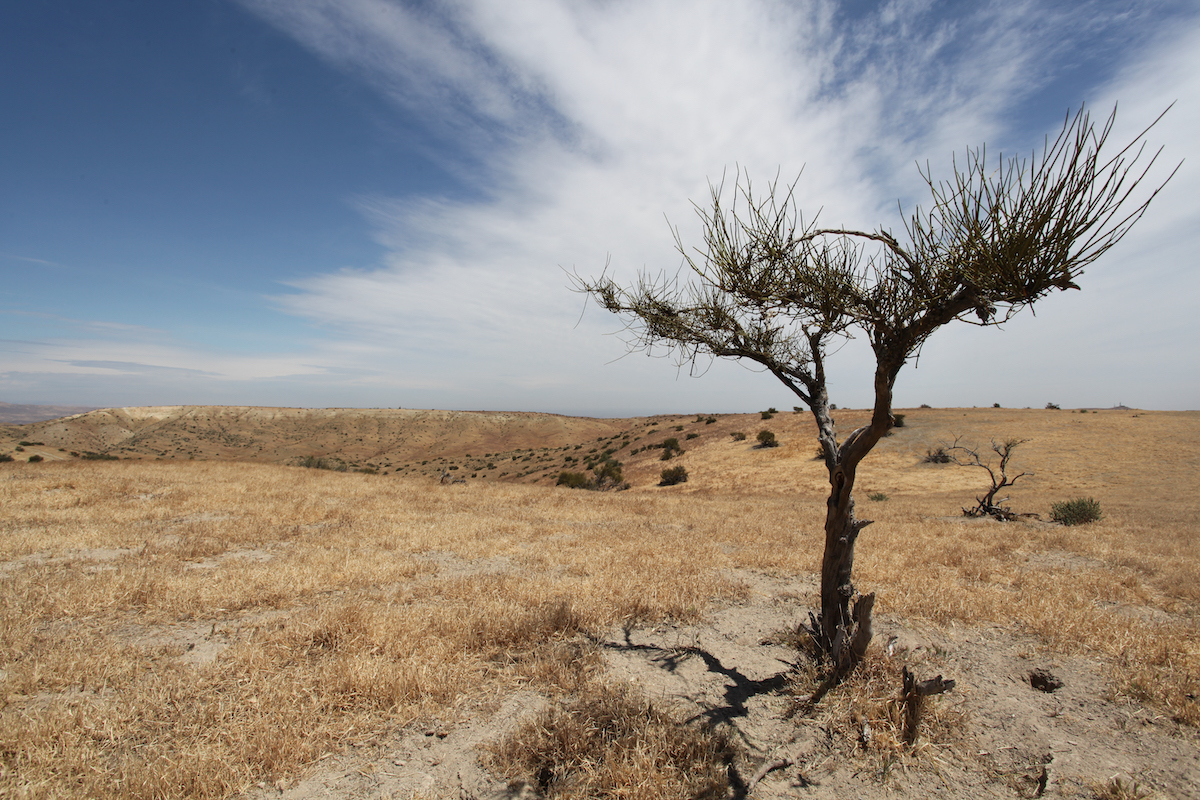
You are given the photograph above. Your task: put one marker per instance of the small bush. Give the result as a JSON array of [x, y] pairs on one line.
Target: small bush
[[20, 449], [90, 456], [738, 436], [671, 444], [673, 475], [573, 480], [878, 497], [767, 439], [939, 456], [1079, 511], [35, 459], [772, 410], [767, 415], [678, 427], [926, 405], [608, 474], [995, 405], [833, 406], [1052, 406], [691, 436], [797, 410], [5, 457], [899, 418]]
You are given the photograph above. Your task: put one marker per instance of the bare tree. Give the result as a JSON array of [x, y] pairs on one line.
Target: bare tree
[[769, 288], [988, 505]]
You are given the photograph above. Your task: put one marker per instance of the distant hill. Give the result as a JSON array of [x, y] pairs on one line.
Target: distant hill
[[16, 414], [721, 451], [357, 438]]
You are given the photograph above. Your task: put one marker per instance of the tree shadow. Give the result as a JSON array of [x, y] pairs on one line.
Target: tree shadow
[[739, 690]]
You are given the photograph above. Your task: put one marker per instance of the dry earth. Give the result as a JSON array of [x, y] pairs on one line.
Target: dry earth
[[968, 605]]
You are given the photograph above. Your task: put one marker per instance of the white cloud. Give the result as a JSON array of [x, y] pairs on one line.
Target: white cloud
[[582, 124]]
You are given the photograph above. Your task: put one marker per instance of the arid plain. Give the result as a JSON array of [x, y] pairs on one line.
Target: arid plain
[[203, 617]]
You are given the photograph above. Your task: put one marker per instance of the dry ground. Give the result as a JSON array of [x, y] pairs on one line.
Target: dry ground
[[215, 629]]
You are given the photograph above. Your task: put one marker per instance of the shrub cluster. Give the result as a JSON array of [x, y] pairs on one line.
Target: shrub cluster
[[316, 462], [673, 475], [1079, 511], [605, 476], [88, 455]]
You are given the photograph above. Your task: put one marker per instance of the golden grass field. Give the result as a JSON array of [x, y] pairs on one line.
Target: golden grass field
[[209, 628]]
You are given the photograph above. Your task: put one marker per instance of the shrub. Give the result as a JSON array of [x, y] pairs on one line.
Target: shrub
[[678, 427], [899, 418], [767, 439], [772, 410], [939, 456], [673, 475], [20, 449], [995, 405], [691, 436], [311, 462], [767, 415], [709, 420], [90, 456], [1079, 511], [1052, 406], [738, 436], [926, 405], [573, 480], [608, 474], [671, 444], [35, 459], [878, 497], [5, 457]]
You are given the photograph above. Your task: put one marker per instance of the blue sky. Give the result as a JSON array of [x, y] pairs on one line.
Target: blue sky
[[375, 204]]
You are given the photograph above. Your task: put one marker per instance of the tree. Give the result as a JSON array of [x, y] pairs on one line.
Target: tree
[[988, 505], [770, 288]]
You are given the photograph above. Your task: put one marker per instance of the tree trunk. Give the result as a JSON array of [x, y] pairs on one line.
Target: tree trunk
[[845, 632], [843, 637]]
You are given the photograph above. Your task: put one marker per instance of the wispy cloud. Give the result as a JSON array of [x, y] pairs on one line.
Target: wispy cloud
[[588, 122]]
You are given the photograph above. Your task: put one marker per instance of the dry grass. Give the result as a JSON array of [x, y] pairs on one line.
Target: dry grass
[[610, 742], [191, 629]]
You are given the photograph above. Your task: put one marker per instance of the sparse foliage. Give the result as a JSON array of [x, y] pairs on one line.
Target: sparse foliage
[[775, 289]]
